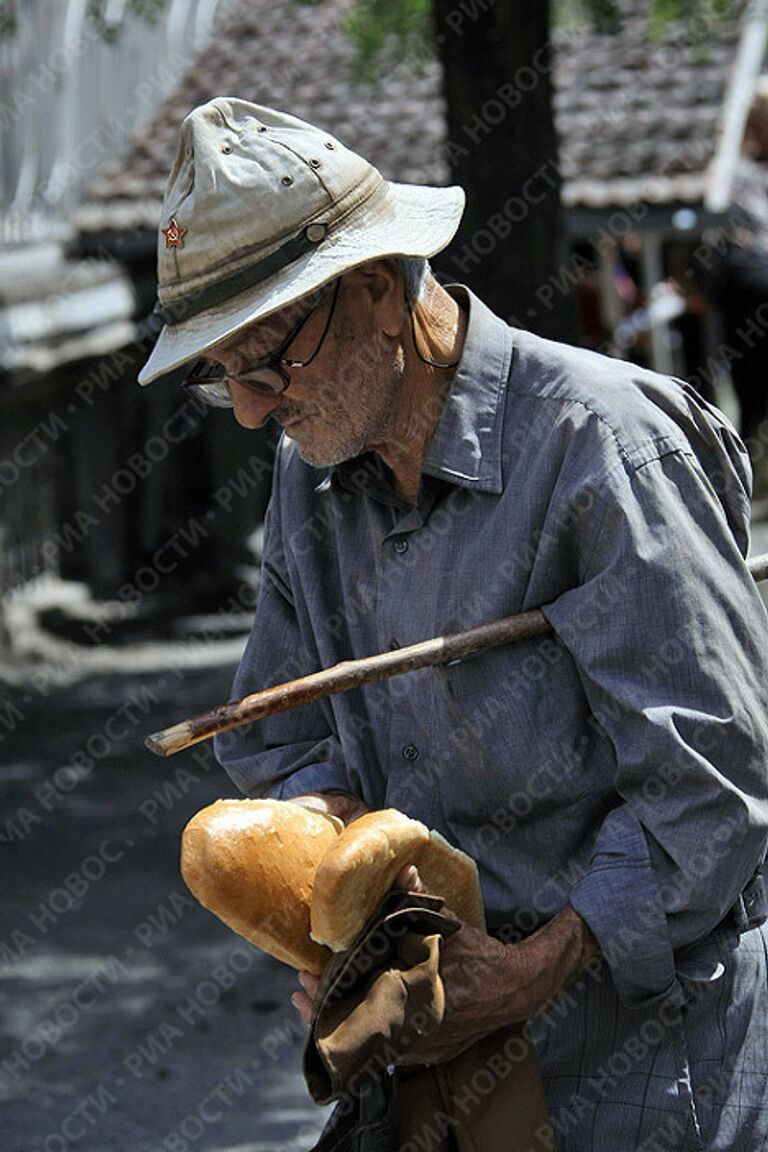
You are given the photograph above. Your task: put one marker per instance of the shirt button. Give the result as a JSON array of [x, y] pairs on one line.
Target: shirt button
[[401, 545], [410, 752]]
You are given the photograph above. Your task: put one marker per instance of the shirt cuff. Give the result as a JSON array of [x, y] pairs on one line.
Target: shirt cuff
[[313, 778], [620, 900]]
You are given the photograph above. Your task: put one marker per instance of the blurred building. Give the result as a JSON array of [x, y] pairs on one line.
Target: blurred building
[[651, 133], [96, 477]]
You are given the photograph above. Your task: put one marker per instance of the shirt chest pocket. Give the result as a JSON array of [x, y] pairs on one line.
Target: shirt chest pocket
[[509, 668], [517, 714]]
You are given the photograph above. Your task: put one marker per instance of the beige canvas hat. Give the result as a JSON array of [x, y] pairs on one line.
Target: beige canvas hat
[[261, 209]]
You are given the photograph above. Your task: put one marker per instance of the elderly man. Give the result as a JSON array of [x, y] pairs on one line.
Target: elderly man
[[440, 470]]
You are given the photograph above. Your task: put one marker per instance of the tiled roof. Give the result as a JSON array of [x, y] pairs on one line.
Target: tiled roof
[[637, 120]]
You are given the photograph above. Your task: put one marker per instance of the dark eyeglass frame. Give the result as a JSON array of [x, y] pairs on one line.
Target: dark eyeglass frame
[[211, 382]]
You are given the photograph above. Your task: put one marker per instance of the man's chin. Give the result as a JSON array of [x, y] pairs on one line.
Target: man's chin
[[319, 457], [322, 459]]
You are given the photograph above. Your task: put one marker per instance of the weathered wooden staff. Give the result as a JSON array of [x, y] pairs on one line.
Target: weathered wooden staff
[[353, 673]]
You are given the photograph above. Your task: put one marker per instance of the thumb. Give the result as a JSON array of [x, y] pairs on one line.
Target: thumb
[[312, 800], [408, 880]]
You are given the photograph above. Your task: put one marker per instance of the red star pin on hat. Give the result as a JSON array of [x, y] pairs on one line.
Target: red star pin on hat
[[174, 234]]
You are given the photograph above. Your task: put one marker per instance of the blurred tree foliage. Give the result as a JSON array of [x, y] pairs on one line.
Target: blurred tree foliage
[[410, 22], [98, 14], [406, 26], [8, 18], [482, 45], [605, 15]]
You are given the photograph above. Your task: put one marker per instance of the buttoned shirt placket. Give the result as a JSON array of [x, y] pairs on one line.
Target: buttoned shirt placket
[[408, 748]]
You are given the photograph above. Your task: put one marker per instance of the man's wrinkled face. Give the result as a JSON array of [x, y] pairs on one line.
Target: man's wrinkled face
[[339, 405]]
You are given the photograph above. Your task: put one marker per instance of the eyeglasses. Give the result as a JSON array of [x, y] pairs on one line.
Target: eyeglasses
[[211, 382]]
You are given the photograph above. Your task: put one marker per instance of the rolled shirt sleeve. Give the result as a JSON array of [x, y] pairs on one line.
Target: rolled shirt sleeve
[[669, 636], [293, 752]]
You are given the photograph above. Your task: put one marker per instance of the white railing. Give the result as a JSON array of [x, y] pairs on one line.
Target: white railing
[[71, 97]]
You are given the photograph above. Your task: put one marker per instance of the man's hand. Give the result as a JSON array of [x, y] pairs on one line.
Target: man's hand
[[489, 985], [407, 880], [340, 804]]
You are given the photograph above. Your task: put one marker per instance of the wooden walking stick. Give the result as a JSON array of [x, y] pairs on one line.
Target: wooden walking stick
[[353, 673]]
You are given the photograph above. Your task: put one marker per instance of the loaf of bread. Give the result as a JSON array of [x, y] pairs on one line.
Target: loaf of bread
[[358, 869], [299, 885], [448, 872], [361, 866], [252, 863]]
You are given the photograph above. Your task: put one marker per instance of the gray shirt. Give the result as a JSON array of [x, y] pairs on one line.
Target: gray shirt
[[619, 765]]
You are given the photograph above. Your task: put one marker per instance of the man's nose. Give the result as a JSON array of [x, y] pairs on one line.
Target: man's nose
[[251, 409]]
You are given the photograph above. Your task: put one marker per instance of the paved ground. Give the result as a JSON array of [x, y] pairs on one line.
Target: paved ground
[[132, 1019]]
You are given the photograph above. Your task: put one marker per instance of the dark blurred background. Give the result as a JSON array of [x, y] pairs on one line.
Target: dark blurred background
[[614, 154]]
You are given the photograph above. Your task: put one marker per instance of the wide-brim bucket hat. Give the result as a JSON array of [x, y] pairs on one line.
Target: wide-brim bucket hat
[[262, 209]]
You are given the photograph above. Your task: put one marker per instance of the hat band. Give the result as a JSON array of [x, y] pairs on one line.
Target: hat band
[[176, 311]]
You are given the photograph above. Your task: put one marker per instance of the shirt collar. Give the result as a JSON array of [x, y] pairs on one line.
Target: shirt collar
[[465, 448]]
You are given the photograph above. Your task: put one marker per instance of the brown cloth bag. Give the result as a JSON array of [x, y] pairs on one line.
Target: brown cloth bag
[[376, 1009]]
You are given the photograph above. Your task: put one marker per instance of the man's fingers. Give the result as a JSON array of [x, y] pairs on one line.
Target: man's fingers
[[309, 983], [346, 808], [303, 1005], [312, 800], [304, 1001], [408, 879]]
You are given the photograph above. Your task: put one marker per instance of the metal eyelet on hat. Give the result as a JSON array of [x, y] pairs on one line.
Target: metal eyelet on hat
[[227, 148], [314, 163], [261, 128], [286, 180], [315, 232], [330, 144]]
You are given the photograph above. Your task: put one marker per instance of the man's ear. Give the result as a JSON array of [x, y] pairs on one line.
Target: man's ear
[[382, 285]]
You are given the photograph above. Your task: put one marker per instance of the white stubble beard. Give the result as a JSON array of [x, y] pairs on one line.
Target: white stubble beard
[[347, 425]]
